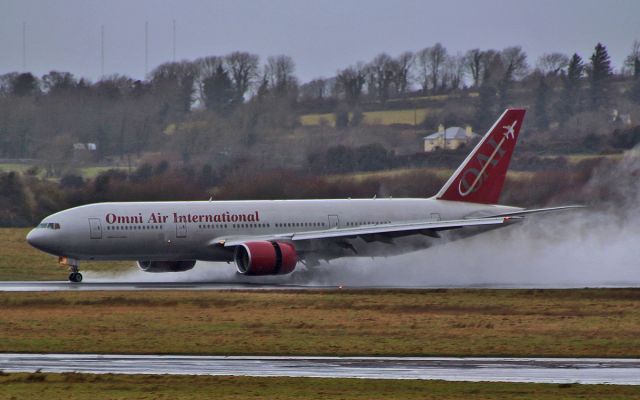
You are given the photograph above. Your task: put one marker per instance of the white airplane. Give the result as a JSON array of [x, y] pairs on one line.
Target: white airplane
[[270, 237]]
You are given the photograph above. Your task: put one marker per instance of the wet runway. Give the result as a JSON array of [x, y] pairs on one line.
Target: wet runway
[[58, 286], [537, 370]]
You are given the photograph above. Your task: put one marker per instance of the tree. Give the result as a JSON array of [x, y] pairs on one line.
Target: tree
[[514, 67], [486, 106], [632, 62], [279, 72], [174, 82], [515, 62], [25, 85], [473, 65], [570, 101], [380, 76], [218, 91], [243, 68], [316, 89], [205, 69], [430, 63], [56, 81], [403, 63], [453, 72], [350, 82], [540, 106], [634, 91], [599, 75], [551, 64]]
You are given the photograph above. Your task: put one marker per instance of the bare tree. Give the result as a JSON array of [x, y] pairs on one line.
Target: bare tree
[[551, 64], [316, 89], [350, 82], [453, 72], [380, 74], [473, 65], [279, 73], [515, 64], [403, 64], [632, 59], [430, 63], [243, 69]]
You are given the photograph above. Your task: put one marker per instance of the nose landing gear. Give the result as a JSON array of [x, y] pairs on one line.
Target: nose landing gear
[[74, 276]]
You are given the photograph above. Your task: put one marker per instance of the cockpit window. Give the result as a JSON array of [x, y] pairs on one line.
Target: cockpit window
[[49, 225]]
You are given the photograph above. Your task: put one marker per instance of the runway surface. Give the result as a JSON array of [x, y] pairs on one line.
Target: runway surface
[[535, 370], [59, 286]]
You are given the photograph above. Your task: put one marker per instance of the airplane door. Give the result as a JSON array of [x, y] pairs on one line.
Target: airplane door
[[95, 228], [334, 221], [181, 230]]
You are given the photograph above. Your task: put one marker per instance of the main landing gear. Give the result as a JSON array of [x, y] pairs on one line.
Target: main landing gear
[[74, 276]]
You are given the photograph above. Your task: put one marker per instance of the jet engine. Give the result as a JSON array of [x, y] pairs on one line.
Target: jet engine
[[166, 266], [265, 258]]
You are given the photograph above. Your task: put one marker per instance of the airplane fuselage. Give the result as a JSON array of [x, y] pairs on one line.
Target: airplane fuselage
[[189, 230]]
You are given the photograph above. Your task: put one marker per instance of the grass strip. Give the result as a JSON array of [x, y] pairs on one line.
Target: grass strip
[[549, 323], [96, 387]]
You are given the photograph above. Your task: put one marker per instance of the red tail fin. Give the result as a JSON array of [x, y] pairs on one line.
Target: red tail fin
[[481, 176]]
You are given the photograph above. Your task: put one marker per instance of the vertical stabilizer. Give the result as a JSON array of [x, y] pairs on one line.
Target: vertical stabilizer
[[481, 176]]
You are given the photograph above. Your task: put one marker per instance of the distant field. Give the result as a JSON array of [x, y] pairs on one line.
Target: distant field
[[389, 117], [400, 172], [98, 387], [521, 323], [22, 168], [19, 261], [86, 172]]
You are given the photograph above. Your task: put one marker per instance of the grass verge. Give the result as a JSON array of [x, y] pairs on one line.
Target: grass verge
[[580, 323], [96, 387], [21, 262]]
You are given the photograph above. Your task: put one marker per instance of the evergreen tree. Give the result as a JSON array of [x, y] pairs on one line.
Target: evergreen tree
[[25, 85], [600, 73], [636, 68], [540, 106], [570, 101], [218, 90]]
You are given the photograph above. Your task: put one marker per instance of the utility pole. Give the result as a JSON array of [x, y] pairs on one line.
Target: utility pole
[[24, 46], [101, 51], [174, 40]]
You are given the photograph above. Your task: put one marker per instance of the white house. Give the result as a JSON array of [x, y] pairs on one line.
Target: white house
[[450, 139]]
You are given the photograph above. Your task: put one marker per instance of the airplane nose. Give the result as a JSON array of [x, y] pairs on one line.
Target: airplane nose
[[38, 239], [31, 237]]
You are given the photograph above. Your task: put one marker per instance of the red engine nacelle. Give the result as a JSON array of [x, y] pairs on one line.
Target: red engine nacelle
[[266, 258]]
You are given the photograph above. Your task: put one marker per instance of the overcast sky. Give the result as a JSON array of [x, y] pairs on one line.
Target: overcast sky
[[321, 36]]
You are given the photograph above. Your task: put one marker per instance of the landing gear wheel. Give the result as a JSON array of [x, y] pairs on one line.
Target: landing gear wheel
[[75, 277]]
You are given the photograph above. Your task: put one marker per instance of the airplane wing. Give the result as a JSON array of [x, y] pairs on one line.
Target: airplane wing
[[427, 227], [537, 211]]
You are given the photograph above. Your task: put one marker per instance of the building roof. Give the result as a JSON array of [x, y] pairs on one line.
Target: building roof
[[453, 132]]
